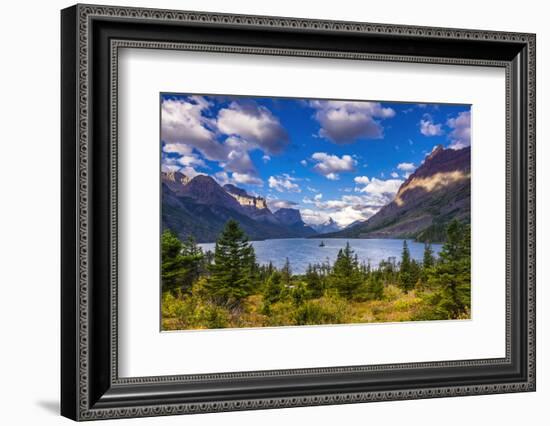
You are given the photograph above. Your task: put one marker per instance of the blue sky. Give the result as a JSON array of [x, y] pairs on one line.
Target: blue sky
[[328, 158]]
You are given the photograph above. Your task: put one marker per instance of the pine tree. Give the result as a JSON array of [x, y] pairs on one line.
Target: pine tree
[[231, 278], [270, 268], [344, 263], [375, 286], [180, 262], [254, 272], [428, 263], [273, 288], [415, 272], [388, 270], [195, 256], [345, 276], [314, 281], [286, 273], [406, 273], [451, 276], [300, 293], [428, 260]]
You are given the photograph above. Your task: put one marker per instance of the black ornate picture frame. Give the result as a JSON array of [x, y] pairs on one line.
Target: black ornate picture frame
[[91, 387]]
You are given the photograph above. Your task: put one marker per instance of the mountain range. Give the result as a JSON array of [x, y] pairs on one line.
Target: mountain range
[[427, 201], [200, 207], [431, 197], [329, 226]]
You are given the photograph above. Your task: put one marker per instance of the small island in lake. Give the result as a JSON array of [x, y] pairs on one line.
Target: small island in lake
[[288, 212]]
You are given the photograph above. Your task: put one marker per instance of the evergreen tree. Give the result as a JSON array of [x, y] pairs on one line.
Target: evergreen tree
[[208, 259], [255, 282], [428, 263], [451, 276], [273, 288], [389, 273], [345, 275], [415, 272], [344, 263], [231, 278], [180, 262], [193, 253], [300, 293], [286, 273], [406, 273], [264, 272], [314, 281], [375, 286], [428, 260]]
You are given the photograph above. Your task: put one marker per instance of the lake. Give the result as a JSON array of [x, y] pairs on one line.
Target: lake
[[303, 251]]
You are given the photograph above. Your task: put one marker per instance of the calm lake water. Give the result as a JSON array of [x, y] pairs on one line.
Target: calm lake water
[[302, 251]]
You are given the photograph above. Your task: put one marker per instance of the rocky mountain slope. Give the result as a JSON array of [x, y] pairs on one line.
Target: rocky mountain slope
[[200, 207], [255, 207], [435, 194]]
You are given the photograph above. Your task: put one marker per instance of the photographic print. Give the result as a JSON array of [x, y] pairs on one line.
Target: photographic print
[[291, 212]]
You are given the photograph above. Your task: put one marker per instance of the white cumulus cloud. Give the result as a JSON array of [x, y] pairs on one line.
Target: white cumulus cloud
[[314, 217], [283, 183], [177, 148], [460, 133], [190, 127], [189, 160], [406, 167], [380, 186], [429, 128], [222, 178], [343, 211], [331, 165], [245, 178], [379, 192], [239, 162], [363, 180], [276, 204], [255, 124], [343, 122], [183, 123], [350, 214]]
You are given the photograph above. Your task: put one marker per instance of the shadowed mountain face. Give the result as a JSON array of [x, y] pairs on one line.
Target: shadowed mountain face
[[288, 216], [435, 194], [200, 207]]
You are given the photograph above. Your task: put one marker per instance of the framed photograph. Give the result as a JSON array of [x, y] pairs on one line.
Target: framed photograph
[[263, 212]]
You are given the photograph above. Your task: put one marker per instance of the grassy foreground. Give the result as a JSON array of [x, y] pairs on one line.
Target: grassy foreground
[[183, 312], [229, 289]]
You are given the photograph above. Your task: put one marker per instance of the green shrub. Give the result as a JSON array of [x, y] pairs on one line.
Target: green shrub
[[391, 293], [300, 292], [192, 312], [281, 314], [326, 310], [215, 316]]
